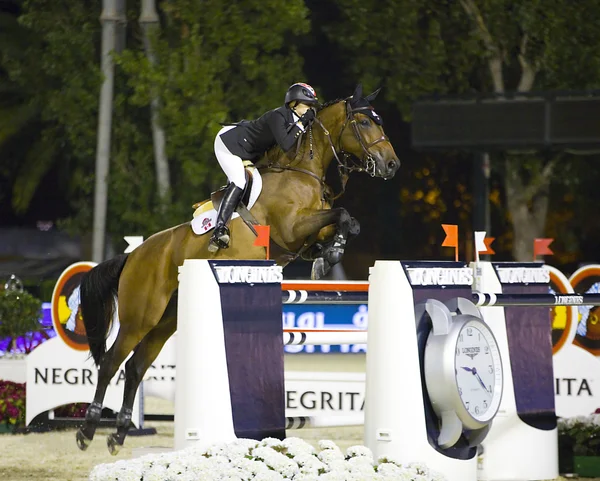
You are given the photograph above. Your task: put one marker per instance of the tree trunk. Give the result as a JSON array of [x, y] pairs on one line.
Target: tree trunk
[[526, 187], [527, 205], [149, 20]]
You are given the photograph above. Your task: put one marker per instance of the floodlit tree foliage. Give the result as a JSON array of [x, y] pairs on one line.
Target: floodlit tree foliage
[[418, 47]]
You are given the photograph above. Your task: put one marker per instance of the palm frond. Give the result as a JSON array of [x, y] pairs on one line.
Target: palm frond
[[14, 118], [38, 161]]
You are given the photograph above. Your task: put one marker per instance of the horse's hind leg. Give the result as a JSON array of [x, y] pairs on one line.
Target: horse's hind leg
[[135, 368], [113, 358]]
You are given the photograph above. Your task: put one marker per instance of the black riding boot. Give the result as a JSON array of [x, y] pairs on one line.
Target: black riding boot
[[220, 237]]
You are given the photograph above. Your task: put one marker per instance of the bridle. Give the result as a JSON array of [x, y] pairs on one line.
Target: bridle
[[345, 161]]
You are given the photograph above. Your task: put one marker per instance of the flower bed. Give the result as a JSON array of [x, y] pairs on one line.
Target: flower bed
[[266, 460], [13, 402], [579, 445], [12, 405], [583, 432]]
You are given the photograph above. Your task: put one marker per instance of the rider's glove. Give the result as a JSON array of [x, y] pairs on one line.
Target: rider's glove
[[308, 117]]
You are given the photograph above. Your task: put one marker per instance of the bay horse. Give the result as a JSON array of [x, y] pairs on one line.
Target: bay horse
[[295, 203]]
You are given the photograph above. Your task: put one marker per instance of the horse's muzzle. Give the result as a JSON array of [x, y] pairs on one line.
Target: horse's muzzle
[[387, 166]]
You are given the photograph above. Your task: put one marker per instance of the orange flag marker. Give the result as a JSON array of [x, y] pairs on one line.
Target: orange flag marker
[[451, 239], [482, 244], [488, 245], [263, 237], [540, 247]]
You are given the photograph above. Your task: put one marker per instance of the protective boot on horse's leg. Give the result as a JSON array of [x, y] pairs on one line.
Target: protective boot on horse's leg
[[143, 356], [138, 314], [113, 358], [221, 234], [333, 251], [97, 290]]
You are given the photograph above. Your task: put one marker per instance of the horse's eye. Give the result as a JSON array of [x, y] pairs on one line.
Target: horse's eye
[[365, 122]]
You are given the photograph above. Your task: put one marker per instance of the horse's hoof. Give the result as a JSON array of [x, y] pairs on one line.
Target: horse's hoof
[[320, 268], [113, 444], [82, 441]]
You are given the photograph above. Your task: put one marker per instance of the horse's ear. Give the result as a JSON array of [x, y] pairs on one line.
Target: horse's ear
[[369, 98], [357, 95]]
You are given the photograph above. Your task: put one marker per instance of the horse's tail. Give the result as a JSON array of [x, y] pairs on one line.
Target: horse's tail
[[98, 292]]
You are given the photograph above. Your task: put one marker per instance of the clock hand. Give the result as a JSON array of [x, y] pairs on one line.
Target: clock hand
[[466, 368], [474, 371]]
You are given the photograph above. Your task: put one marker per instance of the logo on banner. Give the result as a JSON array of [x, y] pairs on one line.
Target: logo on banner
[[563, 317], [586, 280], [249, 274], [66, 309], [440, 276], [523, 275]]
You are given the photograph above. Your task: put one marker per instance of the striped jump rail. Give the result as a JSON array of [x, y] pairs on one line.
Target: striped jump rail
[[357, 292], [318, 292], [549, 300], [335, 420], [318, 337]]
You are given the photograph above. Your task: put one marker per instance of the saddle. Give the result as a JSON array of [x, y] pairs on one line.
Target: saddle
[[215, 197], [205, 213]]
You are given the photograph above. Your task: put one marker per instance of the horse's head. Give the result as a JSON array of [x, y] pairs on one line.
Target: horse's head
[[363, 137]]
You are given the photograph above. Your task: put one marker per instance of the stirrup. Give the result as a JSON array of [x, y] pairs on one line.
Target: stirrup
[[219, 239]]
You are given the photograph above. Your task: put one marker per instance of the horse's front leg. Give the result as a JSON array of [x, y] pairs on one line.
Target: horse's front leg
[[330, 250], [333, 248]]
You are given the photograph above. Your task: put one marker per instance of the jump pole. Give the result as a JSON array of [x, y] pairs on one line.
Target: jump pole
[[483, 299]]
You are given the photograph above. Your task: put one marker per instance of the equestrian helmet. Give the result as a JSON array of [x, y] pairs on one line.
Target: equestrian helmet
[[301, 92]]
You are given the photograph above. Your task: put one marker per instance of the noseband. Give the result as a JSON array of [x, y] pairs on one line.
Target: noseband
[[344, 159], [368, 159]]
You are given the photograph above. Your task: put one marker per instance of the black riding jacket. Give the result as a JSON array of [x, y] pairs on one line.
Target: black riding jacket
[[250, 139]]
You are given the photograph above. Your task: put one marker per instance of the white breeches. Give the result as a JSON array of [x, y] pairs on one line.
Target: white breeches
[[231, 164]]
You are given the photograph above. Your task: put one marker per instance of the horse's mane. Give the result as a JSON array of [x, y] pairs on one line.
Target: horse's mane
[[330, 103], [275, 152]]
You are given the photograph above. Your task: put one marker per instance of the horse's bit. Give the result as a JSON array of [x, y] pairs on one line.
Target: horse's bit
[[344, 169]]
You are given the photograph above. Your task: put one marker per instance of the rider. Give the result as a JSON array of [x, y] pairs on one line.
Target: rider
[[249, 140]]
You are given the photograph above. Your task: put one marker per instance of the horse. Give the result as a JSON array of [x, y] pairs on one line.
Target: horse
[[295, 202]]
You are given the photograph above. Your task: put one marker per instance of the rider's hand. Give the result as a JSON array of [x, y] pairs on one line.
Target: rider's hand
[[300, 108], [308, 117]]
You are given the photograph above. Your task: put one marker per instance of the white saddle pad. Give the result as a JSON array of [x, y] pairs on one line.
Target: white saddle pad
[[205, 216]]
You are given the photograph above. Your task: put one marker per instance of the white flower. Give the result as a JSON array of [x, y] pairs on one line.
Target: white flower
[[157, 473], [329, 456], [268, 476], [335, 476], [326, 444], [418, 468], [361, 469], [297, 446], [305, 477], [360, 464], [393, 471], [271, 442], [389, 459], [176, 468], [250, 466], [359, 451], [309, 462], [276, 460], [268, 460]]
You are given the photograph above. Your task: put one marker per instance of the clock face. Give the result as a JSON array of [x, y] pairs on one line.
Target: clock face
[[478, 370]]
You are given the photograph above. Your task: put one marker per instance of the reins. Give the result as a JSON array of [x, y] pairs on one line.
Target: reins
[[344, 167]]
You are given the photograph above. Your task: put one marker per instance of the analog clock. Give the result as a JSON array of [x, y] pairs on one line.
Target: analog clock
[[463, 371]]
